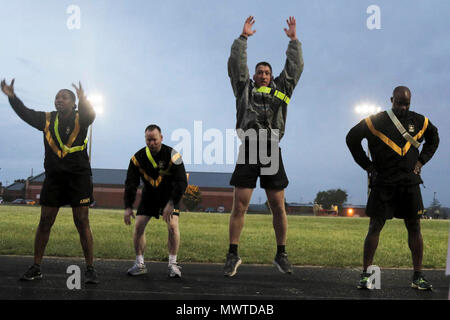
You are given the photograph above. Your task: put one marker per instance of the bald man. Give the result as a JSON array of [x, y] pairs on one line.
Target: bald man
[[394, 175]]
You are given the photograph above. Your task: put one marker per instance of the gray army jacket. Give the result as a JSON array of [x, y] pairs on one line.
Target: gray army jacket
[[258, 110]]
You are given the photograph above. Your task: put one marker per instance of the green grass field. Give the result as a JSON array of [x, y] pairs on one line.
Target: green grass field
[[319, 241]]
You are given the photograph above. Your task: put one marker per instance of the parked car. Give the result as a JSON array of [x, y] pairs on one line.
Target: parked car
[[221, 209], [18, 201], [1, 200], [30, 202], [211, 209]]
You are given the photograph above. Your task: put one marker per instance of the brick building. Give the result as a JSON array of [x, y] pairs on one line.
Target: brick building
[[109, 188], [14, 191]]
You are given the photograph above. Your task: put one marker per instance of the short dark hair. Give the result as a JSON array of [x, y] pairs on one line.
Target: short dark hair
[[72, 96], [264, 63], [70, 92], [153, 127]]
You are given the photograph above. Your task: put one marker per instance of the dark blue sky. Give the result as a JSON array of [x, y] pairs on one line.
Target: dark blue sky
[[166, 63]]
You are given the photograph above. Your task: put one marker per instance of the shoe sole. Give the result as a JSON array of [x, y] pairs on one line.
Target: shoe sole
[[414, 286], [31, 279], [234, 271], [172, 276], [137, 274], [363, 287], [91, 282], [280, 269]]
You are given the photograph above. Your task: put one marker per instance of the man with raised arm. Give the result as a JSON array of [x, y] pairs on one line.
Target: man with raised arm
[[68, 176], [261, 108]]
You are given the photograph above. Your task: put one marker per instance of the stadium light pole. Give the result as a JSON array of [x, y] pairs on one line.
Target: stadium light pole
[[365, 110], [97, 103]]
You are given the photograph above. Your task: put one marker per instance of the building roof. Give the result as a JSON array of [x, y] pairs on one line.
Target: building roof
[[16, 186], [210, 179], [118, 176]]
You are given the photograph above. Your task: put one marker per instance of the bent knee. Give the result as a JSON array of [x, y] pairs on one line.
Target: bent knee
[[239, 209], [45, 225], [413, 226], [375, 226], [81, 222], [277, 209]]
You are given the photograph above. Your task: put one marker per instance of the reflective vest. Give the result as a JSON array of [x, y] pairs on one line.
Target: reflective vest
[[60, 149], [280, 95], [155, 182]]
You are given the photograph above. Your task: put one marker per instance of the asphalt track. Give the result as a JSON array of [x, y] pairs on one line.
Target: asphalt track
[[206, 282]]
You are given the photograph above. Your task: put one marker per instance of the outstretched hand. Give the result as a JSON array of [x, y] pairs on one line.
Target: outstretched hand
[[291, 32], [79, 90], [8, 90], [247, 30]]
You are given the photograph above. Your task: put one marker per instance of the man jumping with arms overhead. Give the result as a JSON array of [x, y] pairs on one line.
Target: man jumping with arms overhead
[[261, 108]]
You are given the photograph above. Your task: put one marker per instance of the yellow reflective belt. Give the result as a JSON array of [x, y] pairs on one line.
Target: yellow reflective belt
[[72, 137], [280, 95], [150, 158]]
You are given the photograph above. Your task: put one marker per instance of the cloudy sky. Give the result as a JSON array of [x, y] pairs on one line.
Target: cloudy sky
[[165, 62]]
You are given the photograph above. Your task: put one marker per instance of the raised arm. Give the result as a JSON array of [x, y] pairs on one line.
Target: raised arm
[[237, 63], [293, 67], [85, 109], [34, 118]]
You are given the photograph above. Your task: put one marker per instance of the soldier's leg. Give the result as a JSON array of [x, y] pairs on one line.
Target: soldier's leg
[[371, 241]]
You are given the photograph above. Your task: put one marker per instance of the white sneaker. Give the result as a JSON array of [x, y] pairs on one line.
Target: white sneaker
[[137, 269], [174, 271]]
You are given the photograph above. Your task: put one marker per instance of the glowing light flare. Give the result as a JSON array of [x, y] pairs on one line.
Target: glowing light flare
[[97, 102], [350, 212], [367, 109]]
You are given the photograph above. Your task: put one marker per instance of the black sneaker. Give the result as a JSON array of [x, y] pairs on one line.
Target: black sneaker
[[282, 263], [364, 282], [91, 275], [231, 265], [421, 284], [33, 273]]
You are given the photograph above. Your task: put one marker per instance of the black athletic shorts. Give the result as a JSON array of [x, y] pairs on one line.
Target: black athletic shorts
[[153, 207], [246, 174], [66, 189], [404, 202]]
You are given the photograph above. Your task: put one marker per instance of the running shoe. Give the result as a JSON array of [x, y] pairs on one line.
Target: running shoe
[[364, 281], [137, 269], [91, 275], [231, 265], [282, 263], [33, 273], [421, 284], [174, 270]]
